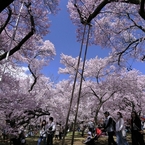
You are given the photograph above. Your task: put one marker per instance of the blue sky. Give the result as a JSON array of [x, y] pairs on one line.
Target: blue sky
[[63, 36]]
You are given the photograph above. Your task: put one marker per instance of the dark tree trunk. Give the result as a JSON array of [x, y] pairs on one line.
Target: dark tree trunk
[[4, 4]]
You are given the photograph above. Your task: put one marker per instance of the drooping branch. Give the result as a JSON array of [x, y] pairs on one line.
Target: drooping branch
[[31, 114], [18, 47], [26, 118], [34, 76]]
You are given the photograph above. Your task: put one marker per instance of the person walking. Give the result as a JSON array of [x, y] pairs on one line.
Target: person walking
[[42, 136], [120, 128], [50, 131], [109, 127], [136, 135]]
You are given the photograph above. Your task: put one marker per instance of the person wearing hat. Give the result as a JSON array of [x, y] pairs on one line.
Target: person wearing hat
[[109, 126]]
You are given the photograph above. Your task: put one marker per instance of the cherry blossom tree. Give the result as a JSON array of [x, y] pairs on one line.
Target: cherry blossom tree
[[131, 96], [109, 21], [19, 106], [22, 33], [118, 25], [107, 87], [23, 25]]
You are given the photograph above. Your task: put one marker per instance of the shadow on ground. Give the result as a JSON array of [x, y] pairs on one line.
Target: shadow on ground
[[78, 140]]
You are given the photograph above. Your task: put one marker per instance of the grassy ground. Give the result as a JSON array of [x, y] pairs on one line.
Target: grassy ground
[[78, 140]]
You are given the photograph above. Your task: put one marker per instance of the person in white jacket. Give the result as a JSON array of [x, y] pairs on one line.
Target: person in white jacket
[[120, 128]]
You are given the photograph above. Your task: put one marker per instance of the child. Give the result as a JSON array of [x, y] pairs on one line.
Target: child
[[88, 139]]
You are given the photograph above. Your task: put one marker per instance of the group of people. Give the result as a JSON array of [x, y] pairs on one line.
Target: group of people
[[47, 132], [117, 127], [112, 127]]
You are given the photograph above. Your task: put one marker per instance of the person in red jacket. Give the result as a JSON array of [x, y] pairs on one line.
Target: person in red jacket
[[98, 132]]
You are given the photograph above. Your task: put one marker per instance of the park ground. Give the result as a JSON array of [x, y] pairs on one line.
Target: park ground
[[78, 140]]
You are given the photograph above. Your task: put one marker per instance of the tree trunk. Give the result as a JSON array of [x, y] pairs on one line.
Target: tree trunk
[[4, 4]]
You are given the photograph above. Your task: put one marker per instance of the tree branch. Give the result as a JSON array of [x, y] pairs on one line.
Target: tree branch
[[102, 5], [141, 10], [34, 76], [4, 4], [97, 10], [7, 20], [25, 120], [18, 47]]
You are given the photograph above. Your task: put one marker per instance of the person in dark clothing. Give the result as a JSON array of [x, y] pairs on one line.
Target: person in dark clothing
[[109, 127], [82, 128], [50, 132], [14, 139], [22, 138], [61, 132], [136, 135]]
